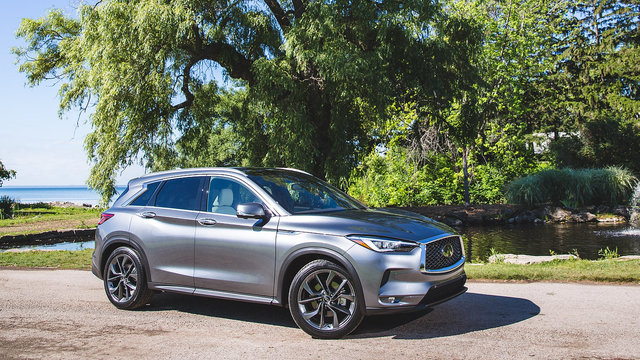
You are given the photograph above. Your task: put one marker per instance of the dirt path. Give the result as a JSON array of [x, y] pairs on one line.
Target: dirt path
[[65, 315]]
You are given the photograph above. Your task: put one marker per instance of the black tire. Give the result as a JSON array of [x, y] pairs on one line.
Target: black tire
[[323, 295], [125, 280]]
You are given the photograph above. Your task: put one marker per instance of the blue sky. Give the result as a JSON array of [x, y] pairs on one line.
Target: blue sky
[[43, 148]]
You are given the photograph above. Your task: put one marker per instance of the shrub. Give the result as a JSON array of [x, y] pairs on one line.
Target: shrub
[[7, 205], [573, 187]]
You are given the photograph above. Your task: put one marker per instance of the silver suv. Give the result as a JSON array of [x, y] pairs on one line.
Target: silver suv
[[274, 236]]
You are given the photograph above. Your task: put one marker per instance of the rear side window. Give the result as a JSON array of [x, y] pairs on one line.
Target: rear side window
[[143, 199], [180, 194]]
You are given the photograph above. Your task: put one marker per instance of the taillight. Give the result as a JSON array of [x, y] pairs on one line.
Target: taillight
[[104, 217]]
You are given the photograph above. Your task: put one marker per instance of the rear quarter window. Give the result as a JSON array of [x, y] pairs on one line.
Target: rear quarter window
[[143, 199]]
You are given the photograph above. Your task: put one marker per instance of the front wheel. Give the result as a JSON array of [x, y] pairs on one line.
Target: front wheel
[[323, 300], [124, 279]]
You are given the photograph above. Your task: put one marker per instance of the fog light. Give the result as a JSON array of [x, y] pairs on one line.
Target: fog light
[[390, 299]]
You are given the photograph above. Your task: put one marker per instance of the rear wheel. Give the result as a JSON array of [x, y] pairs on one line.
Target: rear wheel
[[124, 279], [323, 300]]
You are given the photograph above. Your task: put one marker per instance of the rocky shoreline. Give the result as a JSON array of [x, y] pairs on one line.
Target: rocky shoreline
[[503, 214]]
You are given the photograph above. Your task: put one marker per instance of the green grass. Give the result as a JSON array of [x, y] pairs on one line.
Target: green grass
[[34, 215], [570, 271], [608, 270], [60, 259]]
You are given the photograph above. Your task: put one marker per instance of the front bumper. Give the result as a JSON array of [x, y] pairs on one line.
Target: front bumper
[[398, 282]]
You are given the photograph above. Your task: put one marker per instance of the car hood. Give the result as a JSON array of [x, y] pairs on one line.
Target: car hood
[[393, 223]]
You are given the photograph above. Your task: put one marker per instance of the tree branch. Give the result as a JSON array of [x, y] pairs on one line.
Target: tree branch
[[279, 14], [298, 8], [186, 78], [238, 66]]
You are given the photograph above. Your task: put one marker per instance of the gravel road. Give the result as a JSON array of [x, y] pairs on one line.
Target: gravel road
[[65, 314]]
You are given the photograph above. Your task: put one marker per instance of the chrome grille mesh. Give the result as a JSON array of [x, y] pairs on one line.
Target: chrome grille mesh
[[435, 258]]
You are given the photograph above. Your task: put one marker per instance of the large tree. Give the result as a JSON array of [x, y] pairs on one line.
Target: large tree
[[306, 78]]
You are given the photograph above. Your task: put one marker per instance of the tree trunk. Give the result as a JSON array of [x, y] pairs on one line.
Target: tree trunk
[[319, 112], [465, 172]]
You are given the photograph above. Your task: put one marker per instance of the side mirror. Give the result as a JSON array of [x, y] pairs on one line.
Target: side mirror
[[251, 211]]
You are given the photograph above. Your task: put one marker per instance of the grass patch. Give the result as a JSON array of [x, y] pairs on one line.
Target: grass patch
[[60, 259], [608, 270], [34, 215]]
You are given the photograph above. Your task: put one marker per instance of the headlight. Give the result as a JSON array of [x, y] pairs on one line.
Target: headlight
[[383, 245]]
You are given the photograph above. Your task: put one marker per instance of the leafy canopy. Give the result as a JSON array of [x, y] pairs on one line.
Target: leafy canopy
[[307, 79]]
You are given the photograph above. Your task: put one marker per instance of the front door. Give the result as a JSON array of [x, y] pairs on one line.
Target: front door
[[233, 254]]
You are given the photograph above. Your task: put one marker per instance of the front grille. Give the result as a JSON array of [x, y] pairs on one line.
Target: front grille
[[434, 257]]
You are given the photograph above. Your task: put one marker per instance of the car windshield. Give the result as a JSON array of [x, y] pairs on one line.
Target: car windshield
[[299, 193]]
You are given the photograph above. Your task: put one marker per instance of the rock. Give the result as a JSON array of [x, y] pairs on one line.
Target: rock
[[538, 221], [584, 217], [628, 257], [528, 259], [451, 221], [558, 214], [635, 218], [610, 218], [621, 210]]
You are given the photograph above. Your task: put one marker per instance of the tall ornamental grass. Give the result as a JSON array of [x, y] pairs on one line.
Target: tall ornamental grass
[[573, 187]]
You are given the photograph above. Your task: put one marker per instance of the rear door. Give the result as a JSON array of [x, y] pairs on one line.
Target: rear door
[[165, 229], [233, 254]]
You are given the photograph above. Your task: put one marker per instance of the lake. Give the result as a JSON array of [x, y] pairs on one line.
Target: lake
[[539, 239], [79, 194]]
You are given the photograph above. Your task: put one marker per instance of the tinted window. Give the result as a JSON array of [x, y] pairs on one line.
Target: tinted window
[[225, 195], [300, 193], [143, 199], [180, 194]]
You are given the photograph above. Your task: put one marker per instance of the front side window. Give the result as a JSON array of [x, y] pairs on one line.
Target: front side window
[[226, 194], [299, 193], [180, 194]]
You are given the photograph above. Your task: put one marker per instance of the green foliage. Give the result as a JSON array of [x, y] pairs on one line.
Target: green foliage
[[573, 187], [5, 174], [7, 206], [306, 78], [607, 253], [393, 179]]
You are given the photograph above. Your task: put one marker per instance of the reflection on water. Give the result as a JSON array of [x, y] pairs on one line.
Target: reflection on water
[[529, 239], [539, 239], [59, 246]]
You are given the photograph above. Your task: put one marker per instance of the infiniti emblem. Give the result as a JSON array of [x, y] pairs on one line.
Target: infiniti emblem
[[447, 250]]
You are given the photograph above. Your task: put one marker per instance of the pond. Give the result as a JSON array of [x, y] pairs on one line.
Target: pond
[[539, 239], [529, 239]]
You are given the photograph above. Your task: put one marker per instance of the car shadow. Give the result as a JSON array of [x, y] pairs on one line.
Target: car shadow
[[466, 313], [228, 309]]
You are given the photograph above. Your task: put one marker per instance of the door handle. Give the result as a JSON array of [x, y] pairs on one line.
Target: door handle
[[148, 214], [206, 222]]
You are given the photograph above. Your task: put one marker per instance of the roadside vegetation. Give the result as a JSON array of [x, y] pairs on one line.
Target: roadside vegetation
[[58, 259], [605, 270]]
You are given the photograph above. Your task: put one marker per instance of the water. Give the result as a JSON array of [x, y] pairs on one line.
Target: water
[[527, 239], [80, 194], [539, 239], [71, 246]]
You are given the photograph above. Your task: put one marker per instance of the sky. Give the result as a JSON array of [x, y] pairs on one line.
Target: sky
[[41, 147]]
